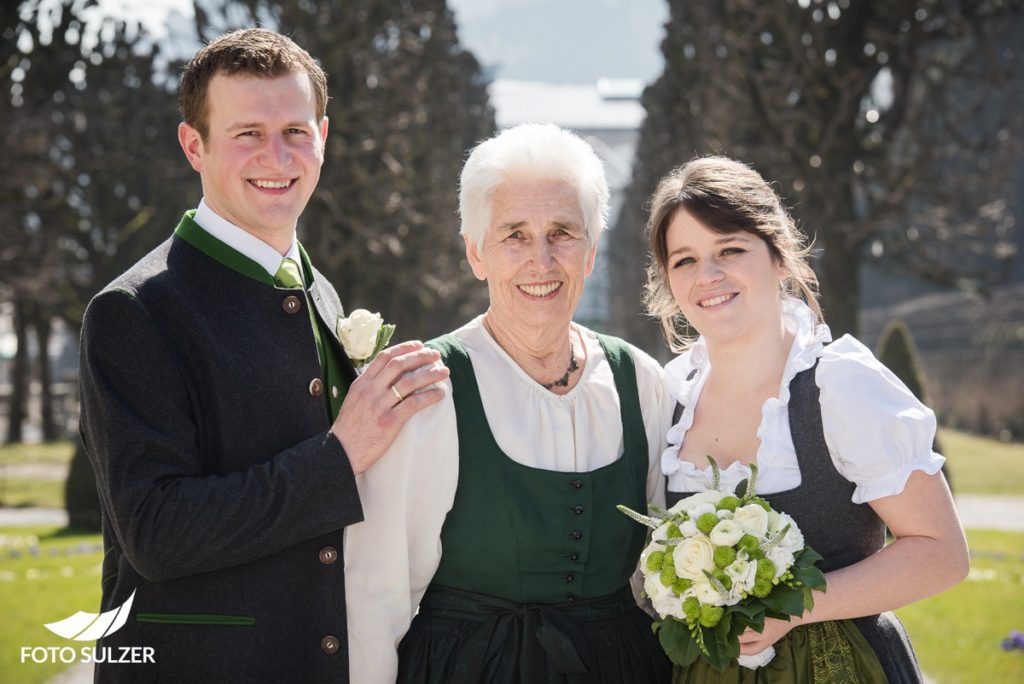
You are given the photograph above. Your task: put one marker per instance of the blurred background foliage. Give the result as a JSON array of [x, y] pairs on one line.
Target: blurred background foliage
[[893, 129]]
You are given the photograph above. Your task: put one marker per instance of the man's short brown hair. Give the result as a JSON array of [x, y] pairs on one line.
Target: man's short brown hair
[[253, 52]]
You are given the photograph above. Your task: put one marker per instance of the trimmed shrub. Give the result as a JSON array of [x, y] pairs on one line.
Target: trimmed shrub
[[80, 496]]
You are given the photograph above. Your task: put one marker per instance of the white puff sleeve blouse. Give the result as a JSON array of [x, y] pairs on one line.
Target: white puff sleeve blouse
[[877, 432]]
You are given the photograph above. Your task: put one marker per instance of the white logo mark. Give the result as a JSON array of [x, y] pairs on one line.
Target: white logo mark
[[84, 626]]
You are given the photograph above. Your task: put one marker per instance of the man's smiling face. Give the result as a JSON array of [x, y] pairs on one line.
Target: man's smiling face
[[262, 154]]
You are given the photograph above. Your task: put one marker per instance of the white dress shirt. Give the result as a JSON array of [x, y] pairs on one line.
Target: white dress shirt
[[392, 555], [877, 432], [245, 242]]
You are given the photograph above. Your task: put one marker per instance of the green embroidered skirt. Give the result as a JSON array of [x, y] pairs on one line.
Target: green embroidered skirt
[[819, 653]]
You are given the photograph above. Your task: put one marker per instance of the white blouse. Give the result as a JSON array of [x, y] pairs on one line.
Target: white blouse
[[877, 432], [392, 555]]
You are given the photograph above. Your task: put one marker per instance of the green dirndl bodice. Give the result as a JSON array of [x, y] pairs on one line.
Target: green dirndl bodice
[[532, 586]]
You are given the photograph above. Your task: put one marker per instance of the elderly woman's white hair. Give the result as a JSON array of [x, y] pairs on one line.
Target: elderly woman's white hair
[[535, 151]]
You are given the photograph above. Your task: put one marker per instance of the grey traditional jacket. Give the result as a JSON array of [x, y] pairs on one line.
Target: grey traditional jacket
[[224, 494]]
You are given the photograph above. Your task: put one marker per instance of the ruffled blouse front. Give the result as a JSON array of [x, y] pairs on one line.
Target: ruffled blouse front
[[877, 432]]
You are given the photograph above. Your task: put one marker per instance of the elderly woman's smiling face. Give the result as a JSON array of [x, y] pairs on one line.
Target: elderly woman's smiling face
[[536, 253]]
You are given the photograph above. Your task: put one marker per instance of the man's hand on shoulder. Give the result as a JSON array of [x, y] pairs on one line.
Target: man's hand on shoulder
[[384, 397]]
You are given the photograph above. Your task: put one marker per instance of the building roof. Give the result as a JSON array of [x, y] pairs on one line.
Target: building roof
[[610, 104]]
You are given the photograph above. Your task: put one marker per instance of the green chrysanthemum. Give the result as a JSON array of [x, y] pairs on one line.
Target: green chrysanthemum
[[749, 543], [655, 561], [765, 569], [668, 574], [711, 615], [707, 522], [729, 503], [691, 608], [724, 555]]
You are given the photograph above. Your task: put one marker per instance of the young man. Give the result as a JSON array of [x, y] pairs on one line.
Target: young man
[[221, 413]]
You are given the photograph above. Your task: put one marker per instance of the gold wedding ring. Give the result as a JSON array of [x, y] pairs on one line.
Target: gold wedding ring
[[398, 395]]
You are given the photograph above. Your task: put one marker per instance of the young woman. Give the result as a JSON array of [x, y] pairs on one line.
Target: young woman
[[840, 443]]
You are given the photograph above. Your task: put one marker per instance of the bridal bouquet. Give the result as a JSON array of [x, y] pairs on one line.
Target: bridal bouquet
[[718, 563]]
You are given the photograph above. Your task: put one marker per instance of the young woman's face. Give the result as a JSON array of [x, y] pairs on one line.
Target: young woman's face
[[726, 285]]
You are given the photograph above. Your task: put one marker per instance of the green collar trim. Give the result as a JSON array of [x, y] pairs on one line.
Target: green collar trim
[[192, 233], [307, 266]]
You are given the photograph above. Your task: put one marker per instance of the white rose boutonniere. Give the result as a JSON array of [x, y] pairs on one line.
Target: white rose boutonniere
[[363, 335]]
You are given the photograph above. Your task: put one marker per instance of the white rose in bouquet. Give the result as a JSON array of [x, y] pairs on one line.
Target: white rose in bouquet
[[793, 540], [707, 594], [693, 556], [726, 533], [753, 519], [710, 497], [663, 598]]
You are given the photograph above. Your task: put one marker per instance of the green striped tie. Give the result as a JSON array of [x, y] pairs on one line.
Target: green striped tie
[[288, 275]]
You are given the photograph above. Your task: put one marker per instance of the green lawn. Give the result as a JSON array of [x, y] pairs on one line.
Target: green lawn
[[32, 475], [56, 573], [982, 465], [56, 452], [957, 634]]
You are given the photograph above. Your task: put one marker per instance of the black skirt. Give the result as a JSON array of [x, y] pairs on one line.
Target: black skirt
[[463, 638]]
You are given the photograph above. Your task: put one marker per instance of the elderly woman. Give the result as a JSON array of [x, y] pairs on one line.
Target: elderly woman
[[494, 511], [840, 444]]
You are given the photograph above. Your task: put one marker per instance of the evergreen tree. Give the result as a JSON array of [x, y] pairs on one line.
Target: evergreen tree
[[89, 125], [407, 102], [897, 352], [91, 128], [892, 128]]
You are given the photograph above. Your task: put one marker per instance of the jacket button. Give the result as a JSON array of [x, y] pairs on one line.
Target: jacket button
[[329, 644], [576, 534], [578, 510], [316, 387], [570, 599], [576, 484], [291, 304], [574, 556], [570, 577], [328, 555]]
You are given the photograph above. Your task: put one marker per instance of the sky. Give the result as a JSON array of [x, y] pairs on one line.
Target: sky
[[555, 41]]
